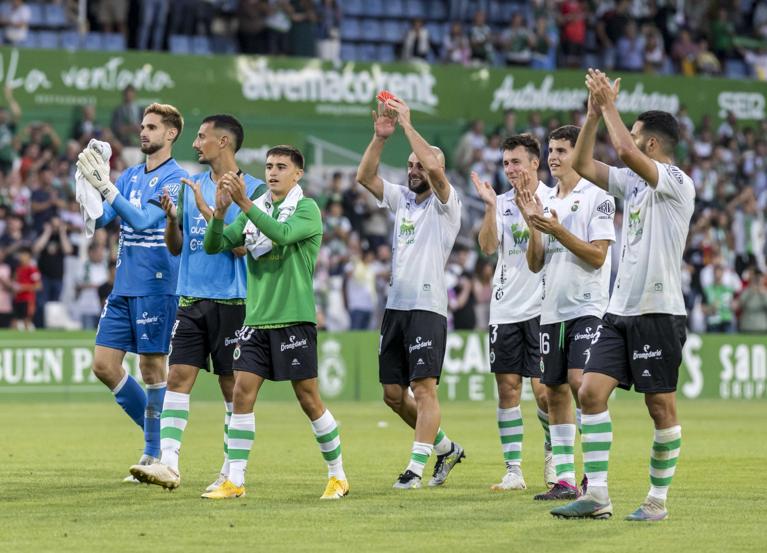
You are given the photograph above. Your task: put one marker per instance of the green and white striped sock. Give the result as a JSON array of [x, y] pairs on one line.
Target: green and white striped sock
[[242, 432], [596, 439], [442, 444], [227, 417], [419, 457], [175, 414], [543, 416], [511, 429], [665, 452], [562, 445], [326, 432]]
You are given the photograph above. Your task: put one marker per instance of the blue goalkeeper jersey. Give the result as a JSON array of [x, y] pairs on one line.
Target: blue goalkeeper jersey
[[145, 267], [217, 276]]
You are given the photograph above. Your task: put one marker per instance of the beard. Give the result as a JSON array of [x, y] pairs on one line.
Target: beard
[[150, 148], [420, 189]]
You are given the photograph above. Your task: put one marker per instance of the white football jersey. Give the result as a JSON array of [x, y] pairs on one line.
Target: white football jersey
[[516, 289], [573, 288], [424, 235], [655, 225]]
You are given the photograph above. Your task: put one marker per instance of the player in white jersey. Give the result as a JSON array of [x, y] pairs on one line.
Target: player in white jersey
[[414, 328], [515, 307], [570, 241], [640, 342]]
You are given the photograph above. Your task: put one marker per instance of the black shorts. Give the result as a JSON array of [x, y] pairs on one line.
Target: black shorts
[[564, 346], [515, 348], [287, 353], [206, 330], [644, 351], [411, 346]]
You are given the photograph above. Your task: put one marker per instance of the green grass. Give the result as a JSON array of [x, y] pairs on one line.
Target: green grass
[[61, 466]]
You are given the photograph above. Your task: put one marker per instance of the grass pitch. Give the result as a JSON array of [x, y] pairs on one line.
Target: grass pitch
[[62, 464]]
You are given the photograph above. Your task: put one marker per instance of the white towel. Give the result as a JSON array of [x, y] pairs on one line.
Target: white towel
[[91, 202], [255, 240]]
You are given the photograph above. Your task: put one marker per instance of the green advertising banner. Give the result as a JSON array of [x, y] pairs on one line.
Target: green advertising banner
[[291, 100], [57, 366]]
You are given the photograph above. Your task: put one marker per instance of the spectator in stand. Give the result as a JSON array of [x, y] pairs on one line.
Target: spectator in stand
[[572, 22], [544, 42], [153, 15], [481, 40], [46, 199], [630, 49], [27, 283], [303, 29], [17, 24], [278, 25], [126, 119], [461, 301], [684, 53], [183, 17], [757, 61], [105, 289], [706, 62], [93, 274], [482, 283], [415, 44], [455, 45], [86, 127], [252, 33], [328, 30], [722, 34], [6, 292], [516, 42], [50, 249], [112, 16], [612, 19], [752, 304], [655, 59], [360, 295], [472, 140], [9, 119], [15, 238], [719, 304]]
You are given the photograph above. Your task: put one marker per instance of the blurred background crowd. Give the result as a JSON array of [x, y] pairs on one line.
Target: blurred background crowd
[[657, 36], [47, 274]]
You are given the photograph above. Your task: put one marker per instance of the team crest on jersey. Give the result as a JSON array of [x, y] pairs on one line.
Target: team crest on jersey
[[606, 207], [675, 173], [153, 182], [575, 206]]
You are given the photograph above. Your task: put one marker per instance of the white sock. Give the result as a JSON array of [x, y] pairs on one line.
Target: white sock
[[327, 436], [173, 420], [242, 432]]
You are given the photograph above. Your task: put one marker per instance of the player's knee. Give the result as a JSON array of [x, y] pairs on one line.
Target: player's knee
[[589, 398], [663, 413], [393, 398]]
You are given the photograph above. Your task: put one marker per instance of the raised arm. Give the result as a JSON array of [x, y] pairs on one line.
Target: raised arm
[[384, 123], [583, 153], [173, 234], [432, 161], [219, 238], [605, 96], [530, 205], [488, 232]]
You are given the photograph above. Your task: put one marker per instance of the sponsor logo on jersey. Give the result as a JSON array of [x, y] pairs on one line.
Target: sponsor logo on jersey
[[295, 362], [646, 373], [658, 287], [606, 207], [293, 343], [147, 319], [427, 287], [406, 228], [419, 344], [498, 293], [520, 233], [586, 335], [648, 353]]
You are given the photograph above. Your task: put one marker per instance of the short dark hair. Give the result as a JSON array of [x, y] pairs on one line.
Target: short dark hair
[[230, 124], [292, 152], [527, 141], [663, 125], [566, 132]]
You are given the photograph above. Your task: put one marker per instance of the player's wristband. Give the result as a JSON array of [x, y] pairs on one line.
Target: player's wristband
[[109, 192]]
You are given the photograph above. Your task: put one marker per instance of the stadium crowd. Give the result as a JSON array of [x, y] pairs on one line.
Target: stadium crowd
[[43, 267], [662, 36]]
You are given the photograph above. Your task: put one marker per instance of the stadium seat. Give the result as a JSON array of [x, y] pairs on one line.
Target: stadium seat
[[415, 8], [92, 41], [375, 8], [391, 31], [36, 16], [354, 7], [55, 16], [200, 45], [31, 41], [348, 51], [436, 32], [368, 52], [395, 8], [386, 53], [114, 42], [350, 28], [438, 10], [371, 29], [69, 40], [179, 44], [48, 39], [222, 45]]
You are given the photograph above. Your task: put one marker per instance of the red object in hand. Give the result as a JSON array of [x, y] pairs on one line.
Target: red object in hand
[[384, 95]]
